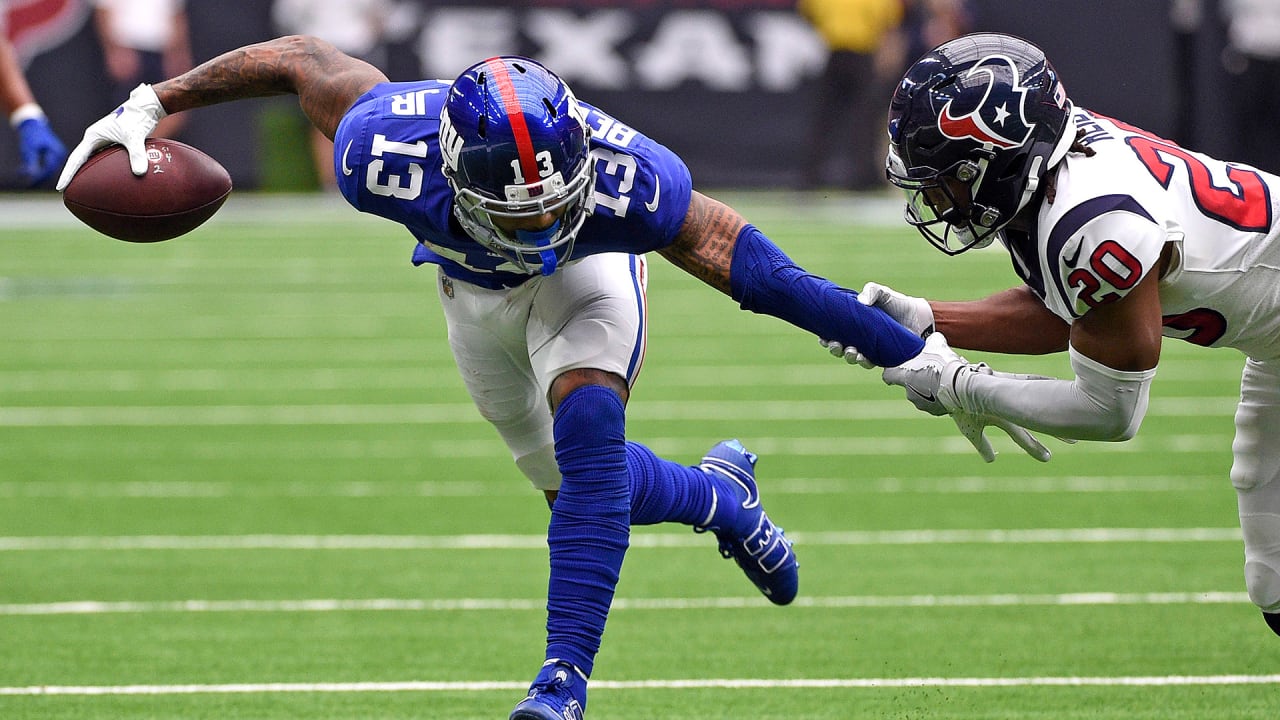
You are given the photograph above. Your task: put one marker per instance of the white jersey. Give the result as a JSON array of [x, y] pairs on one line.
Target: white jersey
[[1113, 213]]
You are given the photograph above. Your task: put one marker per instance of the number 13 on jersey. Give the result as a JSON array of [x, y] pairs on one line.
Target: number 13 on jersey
[[394, 185]]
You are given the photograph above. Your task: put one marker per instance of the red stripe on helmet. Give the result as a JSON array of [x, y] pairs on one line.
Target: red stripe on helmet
[[511, 103]]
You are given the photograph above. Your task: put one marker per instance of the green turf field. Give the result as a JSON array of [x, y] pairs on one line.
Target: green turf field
[[239, 478]]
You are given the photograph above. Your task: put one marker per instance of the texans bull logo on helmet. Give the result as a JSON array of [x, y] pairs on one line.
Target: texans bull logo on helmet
[[998, 117]]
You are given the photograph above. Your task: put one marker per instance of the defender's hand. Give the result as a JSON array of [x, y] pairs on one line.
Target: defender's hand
[[129, 125], [973, 427], [929, 379], [41, 150], [913, 313], [924, 376]]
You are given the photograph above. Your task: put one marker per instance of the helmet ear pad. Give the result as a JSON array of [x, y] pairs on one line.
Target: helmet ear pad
[[986, 101], [516, 147]]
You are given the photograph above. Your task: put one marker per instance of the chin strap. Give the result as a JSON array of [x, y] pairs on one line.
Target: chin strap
[[541, 239]]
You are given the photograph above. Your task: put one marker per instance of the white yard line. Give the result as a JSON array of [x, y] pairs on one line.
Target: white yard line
[[719, 683], [326, 605], [689, 447], [460, 412], [642, 539], [418, 377], [178, 488]]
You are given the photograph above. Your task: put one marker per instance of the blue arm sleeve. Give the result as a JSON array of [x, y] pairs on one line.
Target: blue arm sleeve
[[764, 280]]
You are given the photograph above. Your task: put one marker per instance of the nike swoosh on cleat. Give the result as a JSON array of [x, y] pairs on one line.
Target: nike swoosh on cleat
[[652, 205], [346, 170]]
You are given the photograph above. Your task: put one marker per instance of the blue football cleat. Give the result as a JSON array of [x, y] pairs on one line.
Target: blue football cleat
[[558, 693], [758, 546]]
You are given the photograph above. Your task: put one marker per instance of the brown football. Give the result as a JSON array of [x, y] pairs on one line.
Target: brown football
[[182, 188]]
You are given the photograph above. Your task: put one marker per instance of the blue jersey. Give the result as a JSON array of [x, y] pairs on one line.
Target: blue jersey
[[388, 163]]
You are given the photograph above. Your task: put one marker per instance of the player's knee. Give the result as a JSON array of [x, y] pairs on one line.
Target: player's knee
[[1245, 478], [1252, 471], [571, 380]]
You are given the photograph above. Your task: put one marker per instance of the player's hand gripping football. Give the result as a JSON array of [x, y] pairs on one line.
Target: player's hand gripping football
[[913, 313], [129, 125], [929, 379]]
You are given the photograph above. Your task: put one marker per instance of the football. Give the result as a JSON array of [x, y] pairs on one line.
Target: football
[[181, 189]]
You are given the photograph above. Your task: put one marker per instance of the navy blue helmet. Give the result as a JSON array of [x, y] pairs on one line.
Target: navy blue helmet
[[974, 126], [515, 146]]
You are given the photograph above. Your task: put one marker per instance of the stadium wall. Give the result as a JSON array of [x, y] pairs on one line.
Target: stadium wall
[[726, 83]]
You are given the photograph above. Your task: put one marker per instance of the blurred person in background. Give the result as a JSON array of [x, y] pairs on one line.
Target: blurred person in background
[[144, 41], [863, 58], [927, 24], [1252, 60], [1186, 18], [41, 151]]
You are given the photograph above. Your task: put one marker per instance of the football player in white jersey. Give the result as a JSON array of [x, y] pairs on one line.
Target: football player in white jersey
[[1119, 237]]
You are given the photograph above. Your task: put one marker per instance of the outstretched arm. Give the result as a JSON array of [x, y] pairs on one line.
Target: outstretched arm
[[716, 245], [1114, 349], [1012, 321], [326, 80], [704, 246]]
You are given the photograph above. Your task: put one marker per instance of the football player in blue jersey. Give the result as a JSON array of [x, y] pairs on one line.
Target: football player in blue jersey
[[537, 210], [1119, 237], [39, 148]]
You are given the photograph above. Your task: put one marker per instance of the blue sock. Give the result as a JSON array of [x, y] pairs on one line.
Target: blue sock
[[665, 491], [590, 522]]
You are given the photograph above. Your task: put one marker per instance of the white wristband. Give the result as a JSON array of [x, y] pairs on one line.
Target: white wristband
[[25, 112]]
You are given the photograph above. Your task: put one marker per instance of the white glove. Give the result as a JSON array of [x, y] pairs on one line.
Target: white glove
[[929, 379], [129, 125], [973, 428], [926, 377], [913, 313]]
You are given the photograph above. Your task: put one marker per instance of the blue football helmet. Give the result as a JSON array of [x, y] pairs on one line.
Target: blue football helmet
[[974, 126], [515, 146]]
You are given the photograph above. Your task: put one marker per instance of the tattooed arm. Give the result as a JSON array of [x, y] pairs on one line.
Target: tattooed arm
[[717, 246], [326, 80], [704, 246]]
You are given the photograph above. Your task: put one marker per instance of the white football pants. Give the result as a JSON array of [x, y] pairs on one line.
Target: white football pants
[[511, 344], [1254, 472]]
